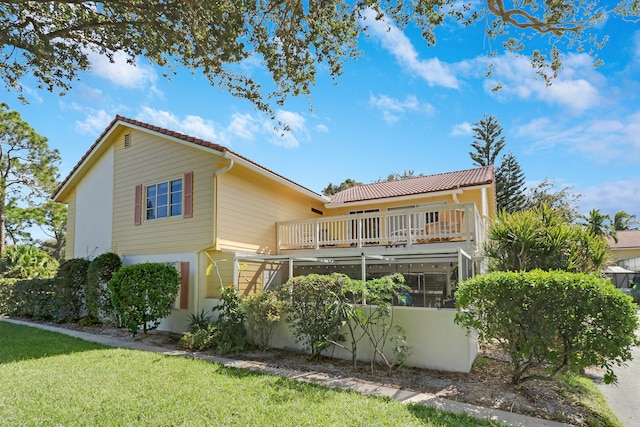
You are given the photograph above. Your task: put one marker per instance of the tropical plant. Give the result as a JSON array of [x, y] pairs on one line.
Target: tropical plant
[[541, 238], [623, 221], [27, 262], [599, 224], [549, 322], [143, 294]]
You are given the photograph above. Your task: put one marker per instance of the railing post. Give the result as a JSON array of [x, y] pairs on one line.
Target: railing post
[[409, 229]]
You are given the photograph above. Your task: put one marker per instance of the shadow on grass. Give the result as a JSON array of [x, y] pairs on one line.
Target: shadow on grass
[[19, 342]]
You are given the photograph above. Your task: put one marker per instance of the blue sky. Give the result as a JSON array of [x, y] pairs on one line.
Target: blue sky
[[400, 106]]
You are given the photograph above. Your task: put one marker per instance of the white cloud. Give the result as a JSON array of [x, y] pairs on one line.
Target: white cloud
[[295, 131], [243, 126], [393, 109], [94, 123], [576, 87], [190, 125], [121, 73], [322, 128], [605, 140], [433, 71], [462, 129], [613, 196]]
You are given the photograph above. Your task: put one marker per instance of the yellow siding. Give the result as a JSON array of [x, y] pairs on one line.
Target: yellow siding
[[150, 160], [623, 254], [71, 220], [249, 206]]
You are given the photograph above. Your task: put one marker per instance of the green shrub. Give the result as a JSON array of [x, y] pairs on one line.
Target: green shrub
[[263, 310], [35, 298], [312, 312], [7, 298], [100, 271], [200, 339], [551, 319], [230, 322], [143, 294], [635, 293], [27, 262], [69, 295]]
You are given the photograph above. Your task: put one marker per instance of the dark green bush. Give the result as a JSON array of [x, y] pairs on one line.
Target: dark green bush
[[69, 295], [35, 298], [100, 271], [232, 335], [143, 294], [554, 320], [312, 312]]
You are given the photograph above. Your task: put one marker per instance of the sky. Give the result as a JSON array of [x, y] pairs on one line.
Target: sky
[[401, 106]]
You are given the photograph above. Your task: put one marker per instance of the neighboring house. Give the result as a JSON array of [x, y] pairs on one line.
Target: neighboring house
[[153, 195], [625, 254]]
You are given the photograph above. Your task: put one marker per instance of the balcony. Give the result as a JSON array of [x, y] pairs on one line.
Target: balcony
[[406, 228]]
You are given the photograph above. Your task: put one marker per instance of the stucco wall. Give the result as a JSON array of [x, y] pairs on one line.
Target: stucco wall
[[436, 341]]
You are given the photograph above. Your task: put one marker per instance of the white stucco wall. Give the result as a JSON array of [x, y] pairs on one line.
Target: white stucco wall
[[178, 320], [436, 341], [94, 210]]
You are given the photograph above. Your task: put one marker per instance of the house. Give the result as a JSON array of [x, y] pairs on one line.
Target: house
[[153, 195], [625, 253]]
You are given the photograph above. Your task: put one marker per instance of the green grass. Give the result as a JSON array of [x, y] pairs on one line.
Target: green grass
[[587, 393], [51, 379]]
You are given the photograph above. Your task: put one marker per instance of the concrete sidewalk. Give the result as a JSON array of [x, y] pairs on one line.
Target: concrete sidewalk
[[360, 386]]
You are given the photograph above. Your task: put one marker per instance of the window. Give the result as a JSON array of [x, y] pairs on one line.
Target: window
[[164, 199]]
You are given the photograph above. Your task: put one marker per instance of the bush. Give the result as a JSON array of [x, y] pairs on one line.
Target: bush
[[100, 271], [144, 294], [551, 319], [200, 339], [263, 310], [27, 262], [312, 311], [35, 298], [70, 290], [230, 322], [7, 298]]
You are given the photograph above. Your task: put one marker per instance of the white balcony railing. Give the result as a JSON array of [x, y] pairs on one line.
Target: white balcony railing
[[406, 227]]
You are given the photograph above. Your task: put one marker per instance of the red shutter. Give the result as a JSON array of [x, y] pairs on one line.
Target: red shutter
[[137, 215], [184, 285], [187, 212]]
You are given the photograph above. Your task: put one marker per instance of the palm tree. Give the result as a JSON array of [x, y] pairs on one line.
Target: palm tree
[[623, 221], [596, 224]]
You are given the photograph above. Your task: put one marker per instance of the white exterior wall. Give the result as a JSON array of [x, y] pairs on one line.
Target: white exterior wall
[[178, 320], [94, 210], [436, 341]]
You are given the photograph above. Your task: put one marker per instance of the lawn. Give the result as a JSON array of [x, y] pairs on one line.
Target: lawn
[[52, 379]]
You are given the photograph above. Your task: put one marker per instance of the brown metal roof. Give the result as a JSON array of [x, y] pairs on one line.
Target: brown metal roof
[[415, 186], [626, 239], [178, 135]]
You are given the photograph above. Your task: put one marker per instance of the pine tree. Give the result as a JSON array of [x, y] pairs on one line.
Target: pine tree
[[510, 194], [488, 141]]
